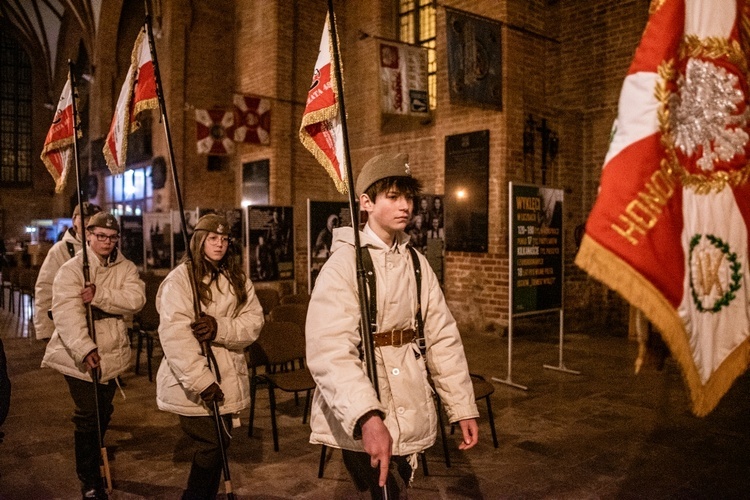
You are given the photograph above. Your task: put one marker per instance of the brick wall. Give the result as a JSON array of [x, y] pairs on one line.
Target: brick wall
[[563, 61]]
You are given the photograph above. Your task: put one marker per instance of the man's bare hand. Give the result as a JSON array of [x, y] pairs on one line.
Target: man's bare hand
[[377, 442], [92, 360], [470, 431], [87, 294]]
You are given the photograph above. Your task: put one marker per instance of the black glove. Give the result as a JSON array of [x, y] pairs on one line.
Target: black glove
[[204, 328], [212, 393]]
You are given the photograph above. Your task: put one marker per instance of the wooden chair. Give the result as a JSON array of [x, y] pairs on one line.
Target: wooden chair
[[14, 285], [279, 344], [146, 324], [26, 286], [5, 284], [482, 390], [295, 313], [297, 298], [268, 298]]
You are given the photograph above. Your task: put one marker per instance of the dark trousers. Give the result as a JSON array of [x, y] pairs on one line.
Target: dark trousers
[[206, 470], [366, 477], [86, 435]]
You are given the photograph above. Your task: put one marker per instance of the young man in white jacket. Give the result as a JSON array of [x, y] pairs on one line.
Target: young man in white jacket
[[114, 290], [59, 254], [346, 411]]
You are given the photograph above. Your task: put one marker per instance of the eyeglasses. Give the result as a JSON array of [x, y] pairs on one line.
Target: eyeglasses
[[103, 237], [215, 239]]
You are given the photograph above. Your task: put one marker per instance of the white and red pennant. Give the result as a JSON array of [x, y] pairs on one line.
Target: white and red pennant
[[57, 153], [138, 93], [321, 131]]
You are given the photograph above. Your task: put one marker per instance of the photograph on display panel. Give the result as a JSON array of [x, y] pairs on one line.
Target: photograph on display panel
[[322, 218], [426, 230], [271, 243]]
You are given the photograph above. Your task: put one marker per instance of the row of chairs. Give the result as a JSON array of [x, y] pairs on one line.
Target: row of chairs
[[20, 282], [277, 361], [146, 322], [269, 298]]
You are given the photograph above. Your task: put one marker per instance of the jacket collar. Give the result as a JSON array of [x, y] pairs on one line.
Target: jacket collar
[[343, 236]]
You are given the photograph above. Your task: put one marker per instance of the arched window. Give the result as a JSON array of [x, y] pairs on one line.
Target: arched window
[[15, 114]]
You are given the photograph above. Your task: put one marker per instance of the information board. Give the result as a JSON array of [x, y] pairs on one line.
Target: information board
[[536, 249]]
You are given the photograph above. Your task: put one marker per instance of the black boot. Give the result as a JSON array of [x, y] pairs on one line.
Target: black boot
[[87, 465], [97, 493], [202, 484]]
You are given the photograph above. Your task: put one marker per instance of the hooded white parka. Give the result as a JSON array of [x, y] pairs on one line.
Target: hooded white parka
[[58, 255], [119, 291], [183, 373], [344, 393]]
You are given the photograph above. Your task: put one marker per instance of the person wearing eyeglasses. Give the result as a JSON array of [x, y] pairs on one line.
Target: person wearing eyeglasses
[[114, 291], [59, 254], [230, 320]]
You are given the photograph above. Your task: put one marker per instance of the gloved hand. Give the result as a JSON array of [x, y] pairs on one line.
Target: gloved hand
[[204, 328], [212, 393]]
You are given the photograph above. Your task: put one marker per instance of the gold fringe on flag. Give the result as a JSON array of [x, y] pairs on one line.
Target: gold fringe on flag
[[618, 275]]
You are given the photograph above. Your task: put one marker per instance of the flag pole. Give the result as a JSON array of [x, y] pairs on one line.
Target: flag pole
[[365, 322], [95, 375], [206, 346], [364, 309]]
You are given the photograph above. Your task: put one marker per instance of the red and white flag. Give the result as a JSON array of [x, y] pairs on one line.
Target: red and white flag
[[214, 129], [138, 93], [57, 153], [252, 119], [669, 229], [321, 132]]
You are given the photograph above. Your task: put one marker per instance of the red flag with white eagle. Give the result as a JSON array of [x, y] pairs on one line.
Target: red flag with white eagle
[[321, 131], [252, 119], [138, 94], [669, 229], [57, 153], [214, 129]]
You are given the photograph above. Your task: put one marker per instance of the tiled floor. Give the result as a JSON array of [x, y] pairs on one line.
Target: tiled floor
[[602, 434]]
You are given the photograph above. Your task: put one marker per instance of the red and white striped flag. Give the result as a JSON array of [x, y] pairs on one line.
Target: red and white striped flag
[[138, 93], [57, 153], [669, 229], [321, 131]]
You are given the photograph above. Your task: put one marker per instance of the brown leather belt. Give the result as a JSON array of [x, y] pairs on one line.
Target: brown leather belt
[[395, 338], [98, 314]]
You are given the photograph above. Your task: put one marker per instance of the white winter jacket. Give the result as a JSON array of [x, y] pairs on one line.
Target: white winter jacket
[[344, 393], [184, 373], [119, 291], [58, 255]]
